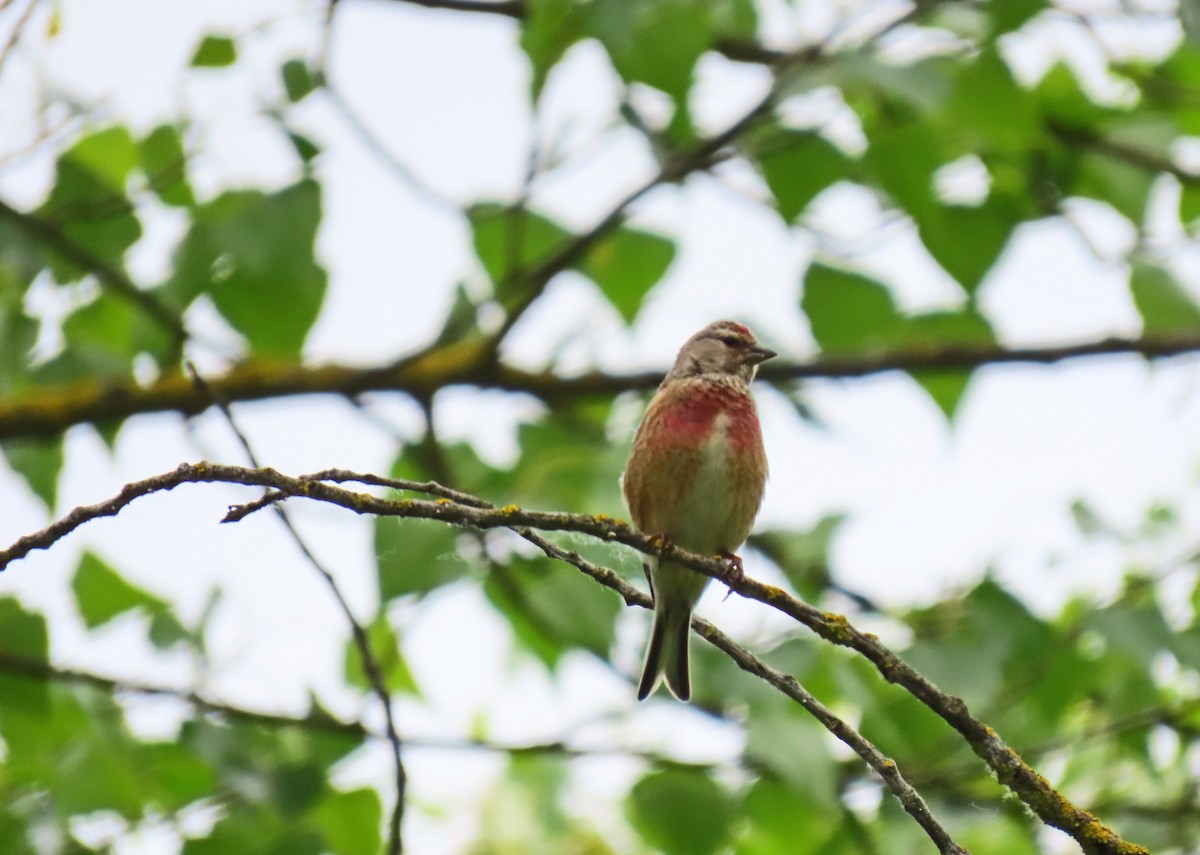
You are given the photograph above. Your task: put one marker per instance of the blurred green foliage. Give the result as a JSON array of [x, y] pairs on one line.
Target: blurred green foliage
[[1103, 695]]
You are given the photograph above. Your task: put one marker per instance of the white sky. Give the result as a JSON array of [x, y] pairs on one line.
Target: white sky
[[931, 507]]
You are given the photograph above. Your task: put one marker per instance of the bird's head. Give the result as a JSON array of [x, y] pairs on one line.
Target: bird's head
[[724, 348]]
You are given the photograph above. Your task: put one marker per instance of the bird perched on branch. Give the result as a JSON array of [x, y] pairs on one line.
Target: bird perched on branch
[[695, 478]]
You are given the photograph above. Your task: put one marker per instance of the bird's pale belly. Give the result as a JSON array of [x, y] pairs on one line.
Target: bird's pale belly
[[708, 522]]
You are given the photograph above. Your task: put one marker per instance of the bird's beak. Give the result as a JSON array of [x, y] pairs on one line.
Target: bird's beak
[[756, 354]]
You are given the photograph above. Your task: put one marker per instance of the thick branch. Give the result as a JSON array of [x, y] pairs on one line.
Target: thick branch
[[1051, 806], [50, 411]]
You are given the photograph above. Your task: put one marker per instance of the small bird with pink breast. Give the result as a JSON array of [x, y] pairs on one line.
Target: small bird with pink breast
[[695, 478]]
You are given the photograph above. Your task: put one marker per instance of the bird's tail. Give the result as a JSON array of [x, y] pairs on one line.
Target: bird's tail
[[667, 653]]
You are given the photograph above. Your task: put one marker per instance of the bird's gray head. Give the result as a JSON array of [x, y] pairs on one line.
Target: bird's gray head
[[725, 349]]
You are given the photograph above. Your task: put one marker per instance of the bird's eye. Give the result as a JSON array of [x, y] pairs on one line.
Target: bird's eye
[[729, 340]]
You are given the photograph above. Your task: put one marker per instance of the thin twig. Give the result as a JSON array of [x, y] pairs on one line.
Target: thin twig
[[404, 173], [362, 643], [532, 282], [15, 35]]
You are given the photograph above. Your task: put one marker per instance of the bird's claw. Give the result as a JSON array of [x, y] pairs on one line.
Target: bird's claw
[[661, 542], [735, 573]]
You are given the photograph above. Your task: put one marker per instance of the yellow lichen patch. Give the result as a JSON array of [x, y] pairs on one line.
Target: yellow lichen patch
[[510, 509], [837, 628], [602, 518], [443, 502]]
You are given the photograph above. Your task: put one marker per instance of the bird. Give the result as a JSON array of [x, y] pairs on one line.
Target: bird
[[695, 478]]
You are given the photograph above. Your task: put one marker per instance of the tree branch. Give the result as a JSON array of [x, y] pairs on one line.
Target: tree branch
[[49, 411], [1050, 806], [887, 769], [535, 280]]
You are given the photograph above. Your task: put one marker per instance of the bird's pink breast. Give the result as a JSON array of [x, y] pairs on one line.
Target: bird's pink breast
[[692, 416]]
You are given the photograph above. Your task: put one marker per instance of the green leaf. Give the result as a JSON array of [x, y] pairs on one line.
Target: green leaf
[[681, 812], [20, 262], [415, 556], [1123, 185], [511, 242], [461, 321], [172, 775], [1189, 206], [885, 94], [166, 631], [941, 329], [553, 607], [23, 633], [38, 461], [102, 593], [305, 147], [568, 462], [793, 748], [385, 647], [967, 241], [987, 100], [215, 52], [164, 163], [903, 162], [778, 823], [852, 313], [549, 28], [798, 168], [736, 18], [104, 336], [88, 203], [254, 253], [107, 156], [654, 43], [1063, 101], [1166, 308], [626, 264], [1011, 14], [298, 80], [350, 822], [970, 647], [848, 311]]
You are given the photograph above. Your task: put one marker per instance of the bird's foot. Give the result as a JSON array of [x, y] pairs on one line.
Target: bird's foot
[[735, 573], [661, 542]]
